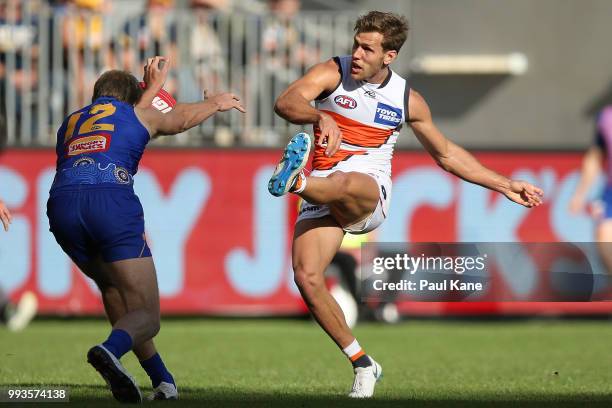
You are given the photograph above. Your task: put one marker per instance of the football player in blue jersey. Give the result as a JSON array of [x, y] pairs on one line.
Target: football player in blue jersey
[[98, 220]]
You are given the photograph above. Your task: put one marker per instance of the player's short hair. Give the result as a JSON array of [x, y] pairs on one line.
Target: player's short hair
[[393, 27], [118, 84]]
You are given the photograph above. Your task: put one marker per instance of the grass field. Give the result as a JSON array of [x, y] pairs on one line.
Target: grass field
[[292, 363]]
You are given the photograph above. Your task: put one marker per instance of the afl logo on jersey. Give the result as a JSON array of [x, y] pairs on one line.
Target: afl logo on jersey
[[345, 102]]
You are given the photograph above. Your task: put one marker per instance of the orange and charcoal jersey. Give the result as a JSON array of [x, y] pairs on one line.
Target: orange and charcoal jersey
[[369, 116]]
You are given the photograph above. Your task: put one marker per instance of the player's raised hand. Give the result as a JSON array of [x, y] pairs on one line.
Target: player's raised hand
[[524, 193], [225, 101], [156, 72], [5, 216], [330, 134]]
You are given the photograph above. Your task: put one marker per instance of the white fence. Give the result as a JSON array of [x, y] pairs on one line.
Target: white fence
[[51, 57]]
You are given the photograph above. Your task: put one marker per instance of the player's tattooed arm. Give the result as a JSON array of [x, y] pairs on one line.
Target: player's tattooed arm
[[5, 216], [155, 75], [460, 162], [294, 105], [184, 116]]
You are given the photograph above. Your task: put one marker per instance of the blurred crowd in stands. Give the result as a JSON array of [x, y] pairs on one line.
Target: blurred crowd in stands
[[51, 53]]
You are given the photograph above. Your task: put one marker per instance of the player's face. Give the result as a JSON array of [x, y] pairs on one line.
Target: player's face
[[369, 58]]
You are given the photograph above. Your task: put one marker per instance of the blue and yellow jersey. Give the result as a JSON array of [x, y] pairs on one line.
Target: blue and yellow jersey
[[100, 144]]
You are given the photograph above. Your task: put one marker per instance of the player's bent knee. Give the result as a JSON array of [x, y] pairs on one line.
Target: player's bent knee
[[155, 326], [138, 299], [350, 186], [308, 279], [341, 182], [154, 319], [111, 293], [151, 323]]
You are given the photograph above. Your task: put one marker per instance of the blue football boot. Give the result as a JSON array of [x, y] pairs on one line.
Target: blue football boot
[[293, 161]]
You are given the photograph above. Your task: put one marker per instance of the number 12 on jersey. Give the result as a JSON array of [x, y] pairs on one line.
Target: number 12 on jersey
[[97, 112]]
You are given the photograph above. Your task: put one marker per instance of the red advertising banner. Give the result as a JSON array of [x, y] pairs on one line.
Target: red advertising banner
[[221, 243]]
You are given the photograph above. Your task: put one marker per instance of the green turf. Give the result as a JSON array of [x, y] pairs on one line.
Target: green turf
[[292, 363]]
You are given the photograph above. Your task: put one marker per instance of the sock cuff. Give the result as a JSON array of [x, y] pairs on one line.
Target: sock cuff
[[357, 356], [119, 342], [302, 182], [156, 370], [353, 350], [151, 360], [124, 336]]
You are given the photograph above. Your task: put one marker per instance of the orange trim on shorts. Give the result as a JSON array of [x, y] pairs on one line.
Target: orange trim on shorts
[[356, 356]]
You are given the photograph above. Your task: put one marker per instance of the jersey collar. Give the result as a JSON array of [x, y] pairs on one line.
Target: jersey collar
[[383, 83]]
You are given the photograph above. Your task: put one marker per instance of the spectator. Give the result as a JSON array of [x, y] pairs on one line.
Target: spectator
[[84, 41], [206, 64], [18, 60], [155, 33], [283, 56], [205, 50]]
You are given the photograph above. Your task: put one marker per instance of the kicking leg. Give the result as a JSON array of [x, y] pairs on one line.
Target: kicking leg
[[314, 245], [350, 196]]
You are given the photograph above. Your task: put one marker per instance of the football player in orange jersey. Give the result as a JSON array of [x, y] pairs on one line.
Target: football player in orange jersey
[[360, 105]]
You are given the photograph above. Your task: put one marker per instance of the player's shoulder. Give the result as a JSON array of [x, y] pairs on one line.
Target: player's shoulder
[[81, 110], [416, 96], [418, 108], [330, 67], [325, 76]]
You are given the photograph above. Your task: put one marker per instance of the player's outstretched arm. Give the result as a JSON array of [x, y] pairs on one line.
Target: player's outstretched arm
[[5, 216], [460, 162], [591, 167], [155, 75], [184, 116], [294, 105]]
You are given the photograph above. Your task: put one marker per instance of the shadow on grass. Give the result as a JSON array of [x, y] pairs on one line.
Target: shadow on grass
[[98, 395]]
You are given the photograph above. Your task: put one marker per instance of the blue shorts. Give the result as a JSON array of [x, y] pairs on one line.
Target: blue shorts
[[98, 220], [606, 201]]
